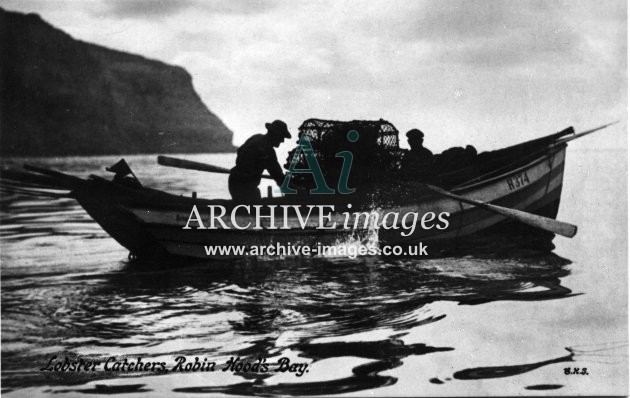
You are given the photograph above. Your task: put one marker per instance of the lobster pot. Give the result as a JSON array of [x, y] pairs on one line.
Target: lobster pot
[[376, 153]]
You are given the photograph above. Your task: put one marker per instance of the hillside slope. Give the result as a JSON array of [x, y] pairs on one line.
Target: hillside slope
[[61, 96]]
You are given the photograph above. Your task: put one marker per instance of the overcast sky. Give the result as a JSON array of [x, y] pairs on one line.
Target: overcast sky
[[488, 73]]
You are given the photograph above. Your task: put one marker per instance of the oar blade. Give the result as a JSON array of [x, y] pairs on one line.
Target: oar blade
[[583, 133], [548, 224], [534, 220]]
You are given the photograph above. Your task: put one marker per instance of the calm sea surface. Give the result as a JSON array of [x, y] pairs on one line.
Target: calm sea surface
[[475, 325]]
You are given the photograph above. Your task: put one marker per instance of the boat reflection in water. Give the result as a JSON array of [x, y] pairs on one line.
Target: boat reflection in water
[[312, 310]]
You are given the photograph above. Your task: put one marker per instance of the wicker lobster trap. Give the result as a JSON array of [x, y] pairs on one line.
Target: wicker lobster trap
[[376, 153]]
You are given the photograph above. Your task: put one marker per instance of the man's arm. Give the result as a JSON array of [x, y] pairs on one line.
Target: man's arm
[[274, 168]]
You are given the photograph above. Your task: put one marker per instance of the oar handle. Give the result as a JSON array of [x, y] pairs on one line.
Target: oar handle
[[192, 165]]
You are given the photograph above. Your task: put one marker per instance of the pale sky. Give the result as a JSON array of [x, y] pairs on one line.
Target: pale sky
[[488, 73]]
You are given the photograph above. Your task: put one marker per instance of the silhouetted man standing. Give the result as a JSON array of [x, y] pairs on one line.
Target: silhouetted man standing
[[255, 156]]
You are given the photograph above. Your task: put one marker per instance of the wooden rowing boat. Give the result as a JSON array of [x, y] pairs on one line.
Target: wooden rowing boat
[[150, 222]]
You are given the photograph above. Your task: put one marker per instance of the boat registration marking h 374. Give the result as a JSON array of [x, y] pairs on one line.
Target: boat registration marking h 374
[[517, 181]]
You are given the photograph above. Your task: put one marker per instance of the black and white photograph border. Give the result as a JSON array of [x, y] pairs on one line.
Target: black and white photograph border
[[494, 134]]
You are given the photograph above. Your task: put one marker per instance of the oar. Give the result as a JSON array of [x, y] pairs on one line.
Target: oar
[[548, 224], [583, 133], [192, 165]]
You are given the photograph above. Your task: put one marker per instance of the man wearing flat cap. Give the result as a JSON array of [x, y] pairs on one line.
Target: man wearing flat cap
[[419, 161], [255, 156]]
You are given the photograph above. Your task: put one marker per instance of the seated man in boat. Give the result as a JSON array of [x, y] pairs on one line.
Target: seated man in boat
[[255, 156], [418, 162]]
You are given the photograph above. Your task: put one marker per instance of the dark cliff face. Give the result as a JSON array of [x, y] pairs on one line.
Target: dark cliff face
[[61, 96]]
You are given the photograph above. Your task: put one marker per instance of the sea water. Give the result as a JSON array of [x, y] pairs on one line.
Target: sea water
[[473, 325]]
